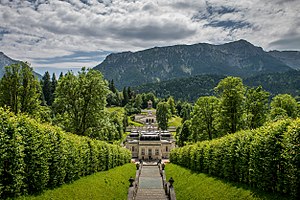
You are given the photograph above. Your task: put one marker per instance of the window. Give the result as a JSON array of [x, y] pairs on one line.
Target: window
[[132, 148], [157, 152], [143, 151], [149, 152], [167, 149]]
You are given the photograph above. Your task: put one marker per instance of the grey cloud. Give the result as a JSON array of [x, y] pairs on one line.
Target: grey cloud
[[220, 9], [280, 1], [291, 42], [186, 4], [149, 6], [78, 56], [168, 31], [230, 24], [54, 28]]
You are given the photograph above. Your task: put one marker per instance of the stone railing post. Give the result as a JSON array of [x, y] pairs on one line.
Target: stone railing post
[[134, 182], [171, 191]]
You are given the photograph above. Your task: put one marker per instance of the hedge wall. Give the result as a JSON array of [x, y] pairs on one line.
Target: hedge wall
[[267, 158], [36, 156]]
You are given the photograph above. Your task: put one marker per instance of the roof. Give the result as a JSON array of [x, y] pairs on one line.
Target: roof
[[150, 137]]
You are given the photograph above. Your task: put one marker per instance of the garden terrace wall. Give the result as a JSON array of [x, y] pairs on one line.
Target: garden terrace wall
[[36, 156], [267, 158]]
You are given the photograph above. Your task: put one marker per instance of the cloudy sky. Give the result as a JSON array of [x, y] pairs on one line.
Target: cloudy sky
[[75, 33]]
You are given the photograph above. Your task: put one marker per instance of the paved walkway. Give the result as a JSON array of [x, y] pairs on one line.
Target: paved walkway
[[150, 184]]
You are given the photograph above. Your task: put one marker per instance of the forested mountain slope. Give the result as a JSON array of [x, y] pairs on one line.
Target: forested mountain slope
[[202, 85], [239, 58]]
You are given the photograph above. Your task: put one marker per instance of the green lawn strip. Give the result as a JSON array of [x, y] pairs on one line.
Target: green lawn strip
[[116, 109], [192, 185], [175, 121], [133, 123], [111, 184]]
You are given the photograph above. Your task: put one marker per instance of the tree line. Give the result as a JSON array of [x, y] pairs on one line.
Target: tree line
[[74, 102], [190, 88], [234, 107]]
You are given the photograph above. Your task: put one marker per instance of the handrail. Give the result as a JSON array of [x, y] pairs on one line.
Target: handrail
[[134, 186], [168, 185]]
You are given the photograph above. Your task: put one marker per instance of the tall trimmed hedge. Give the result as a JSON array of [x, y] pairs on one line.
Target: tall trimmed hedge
[[267, 158], [36, 156]]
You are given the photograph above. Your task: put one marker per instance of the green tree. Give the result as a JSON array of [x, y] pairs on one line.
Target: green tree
[[46, 88], [117, 121], [112, 86], [256, 107], [171, 103], [283, 105], [61, 75], [203, 122], [113, 97], [131, 109], [138, 101], [184, 133], [80, 102], [231, 93], [186, 111], [179, 107], [163, 114], [20, 89], [53, 88], [125, 96], [146, 97], [130, 93]]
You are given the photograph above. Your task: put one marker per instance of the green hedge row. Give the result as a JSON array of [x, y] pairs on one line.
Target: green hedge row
[[36, 156], [267, 158]]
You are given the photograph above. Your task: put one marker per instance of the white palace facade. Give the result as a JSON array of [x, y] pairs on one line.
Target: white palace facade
[[150, 145]]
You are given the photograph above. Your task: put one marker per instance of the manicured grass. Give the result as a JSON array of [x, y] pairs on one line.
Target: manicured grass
[[116, 109], [111, 184], [133, 123], [192, 185], [175, 121]]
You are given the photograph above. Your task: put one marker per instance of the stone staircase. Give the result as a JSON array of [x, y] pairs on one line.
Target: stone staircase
[[150, 184], [154, 194]]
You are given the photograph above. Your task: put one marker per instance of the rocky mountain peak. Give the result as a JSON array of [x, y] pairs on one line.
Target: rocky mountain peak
[[239, 58]]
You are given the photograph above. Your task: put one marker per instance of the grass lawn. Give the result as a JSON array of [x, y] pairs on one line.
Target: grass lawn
[[175, 121], [192, 185], [111, 184], [133, 123], [116, 109]]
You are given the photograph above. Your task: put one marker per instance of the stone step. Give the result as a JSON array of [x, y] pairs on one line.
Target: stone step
[[150, 197], [150, 194], [150, 185], [151, 191]]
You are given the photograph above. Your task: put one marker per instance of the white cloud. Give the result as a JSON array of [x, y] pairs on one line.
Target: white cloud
[[30, 30]]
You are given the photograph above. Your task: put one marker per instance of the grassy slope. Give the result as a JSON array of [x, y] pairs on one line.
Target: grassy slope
[[111, 184], [121, 111], [116, 109], [192, 185], [133, 123], [175, 121]]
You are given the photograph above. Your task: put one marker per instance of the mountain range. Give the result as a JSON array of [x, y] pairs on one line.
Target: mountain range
[[239, 58], [5, 61], [158, 64]]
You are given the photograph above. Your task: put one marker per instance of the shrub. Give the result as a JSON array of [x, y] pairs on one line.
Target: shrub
[[36, 156], [266, 158]]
